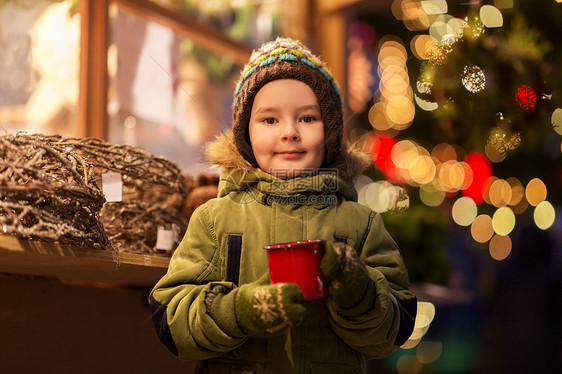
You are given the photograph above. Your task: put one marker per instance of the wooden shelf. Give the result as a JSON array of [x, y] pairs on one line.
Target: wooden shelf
[[79, 264]]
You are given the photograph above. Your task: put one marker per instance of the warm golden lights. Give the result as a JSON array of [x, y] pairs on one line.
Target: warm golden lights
[[431, 196], [447, 171], [500, 247], [535, 192], [464, 211], [517, 191], [395, 107], [482, 229], [422, 169], [503, 221], [544, 215], [382, 196], [451, 176], [556, 120], [424, 317], [422, 45], [500, 193], [491, 16]]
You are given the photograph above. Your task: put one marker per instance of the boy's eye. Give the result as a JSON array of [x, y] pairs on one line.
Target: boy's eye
[[308, 119]]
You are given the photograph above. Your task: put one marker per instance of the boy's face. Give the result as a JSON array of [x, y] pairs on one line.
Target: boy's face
[[286, 128]]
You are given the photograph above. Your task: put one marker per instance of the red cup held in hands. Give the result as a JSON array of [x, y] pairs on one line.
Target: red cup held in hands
[[299, 263]]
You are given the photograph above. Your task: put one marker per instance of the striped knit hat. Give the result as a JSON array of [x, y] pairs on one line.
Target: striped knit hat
[[286, 58]]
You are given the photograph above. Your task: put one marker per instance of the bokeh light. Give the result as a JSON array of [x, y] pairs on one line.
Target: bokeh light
[[482, 229], [535, 192], [440, 28], [383, 196], [426, 105], [451, 176], [500, 193], [408, 365], [491, 16], [403, 153], [428, 352], [544, 215], [377, 117], [457, 25], [422, 169], [395, 106], [447, 169], [464, 211], [486, 189], [520, 207], [424, 316], [400, 110], [517, 191], [444, 152], [500, 247], [503, 221], [434, 6], [411, 13], [431, 196], [556, 120], [421, 45], [381, 150], [481, 170]]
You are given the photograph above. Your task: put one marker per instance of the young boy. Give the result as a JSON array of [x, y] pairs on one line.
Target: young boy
[[286, 176]]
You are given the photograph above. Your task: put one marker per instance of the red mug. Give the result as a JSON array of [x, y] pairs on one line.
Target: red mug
[[299, 263]]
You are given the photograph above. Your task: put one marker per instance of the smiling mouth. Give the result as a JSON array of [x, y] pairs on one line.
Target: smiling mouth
[[290, 155]]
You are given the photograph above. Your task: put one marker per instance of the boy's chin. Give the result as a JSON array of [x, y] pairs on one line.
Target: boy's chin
[[292, 173]]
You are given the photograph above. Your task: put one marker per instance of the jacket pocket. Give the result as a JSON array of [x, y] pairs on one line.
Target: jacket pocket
[[233, 258]]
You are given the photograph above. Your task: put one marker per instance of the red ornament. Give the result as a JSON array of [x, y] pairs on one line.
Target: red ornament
[[526, 97]]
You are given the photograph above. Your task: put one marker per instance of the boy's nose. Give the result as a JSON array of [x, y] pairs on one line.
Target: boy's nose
[[290, 132]]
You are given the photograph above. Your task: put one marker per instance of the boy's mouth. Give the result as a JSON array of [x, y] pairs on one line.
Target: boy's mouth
[[290, 154]]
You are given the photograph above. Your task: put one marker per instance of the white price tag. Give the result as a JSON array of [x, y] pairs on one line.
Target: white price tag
[[165, 240], [112, 186]]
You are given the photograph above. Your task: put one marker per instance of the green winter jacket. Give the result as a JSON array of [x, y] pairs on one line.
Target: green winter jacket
[[224, 248]]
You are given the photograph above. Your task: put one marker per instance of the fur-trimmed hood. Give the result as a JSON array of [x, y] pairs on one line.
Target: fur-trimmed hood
[[223, 152]]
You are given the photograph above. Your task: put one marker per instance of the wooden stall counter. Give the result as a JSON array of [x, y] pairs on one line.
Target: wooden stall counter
[[69, 262]]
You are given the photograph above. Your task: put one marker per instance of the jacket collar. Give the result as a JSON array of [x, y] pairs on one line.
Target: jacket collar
[[262, 184]]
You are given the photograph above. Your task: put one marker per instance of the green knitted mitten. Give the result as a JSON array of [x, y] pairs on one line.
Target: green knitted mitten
[[347, 276], [263, 310]]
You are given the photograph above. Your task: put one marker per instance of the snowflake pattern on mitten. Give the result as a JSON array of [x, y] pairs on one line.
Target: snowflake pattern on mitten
[[265, 306], [270, 308]]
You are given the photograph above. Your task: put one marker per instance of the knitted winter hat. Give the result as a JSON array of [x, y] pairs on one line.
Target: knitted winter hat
[[286, 58]]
